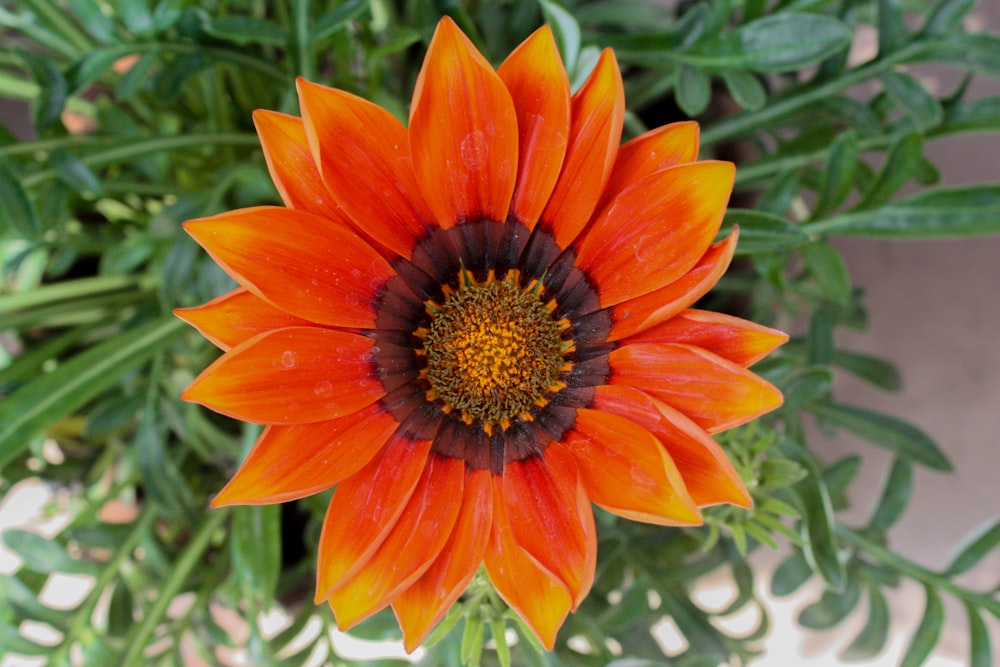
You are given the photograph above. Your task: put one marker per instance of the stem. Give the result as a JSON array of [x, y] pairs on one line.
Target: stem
[[306, 67], [57, 18], [189, 559], [919, 573], [748, 121], [65, 291]]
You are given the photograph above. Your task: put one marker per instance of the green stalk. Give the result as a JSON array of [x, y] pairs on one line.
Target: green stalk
[[189, 559], [66, 291], [747, 121], [306, 66], [59, 20]]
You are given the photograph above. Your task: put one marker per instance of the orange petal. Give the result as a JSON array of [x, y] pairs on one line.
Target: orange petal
[[364, 159], [291, 164], [535, 76], [551, 518], [306, 265], [650, 309], [716, 394], [291, 462], [655, 231], [537, 597], [708, 474], [463, 132], [597, 116], [422, 605], [626, 470], [739, 341], [364, 509], [414, 542], [236, 316], [657, 149], [297, 375]]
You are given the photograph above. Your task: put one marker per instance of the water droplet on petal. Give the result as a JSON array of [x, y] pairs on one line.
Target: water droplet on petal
[[288, 359]]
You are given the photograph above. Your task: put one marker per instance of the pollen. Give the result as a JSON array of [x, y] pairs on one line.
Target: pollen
[[493, 350]]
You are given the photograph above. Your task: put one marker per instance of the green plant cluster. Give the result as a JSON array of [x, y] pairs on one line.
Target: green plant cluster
[[92, 260]]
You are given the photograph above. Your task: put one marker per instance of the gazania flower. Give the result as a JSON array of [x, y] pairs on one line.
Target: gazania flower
[[474, 328]]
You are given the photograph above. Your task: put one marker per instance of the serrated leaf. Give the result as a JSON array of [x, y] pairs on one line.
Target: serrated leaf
[[920, 106], [887, 431], [895, 497], [939, 213], [47, 398], [17, 218], [566, 31], [694, 89], [246, 30], [874, 370], [829, 270], [980, 651], [875, 631], [974, 549], [946, 16], [762, 232], [838, 175], [777, 43], [927, 633], [832, 608]]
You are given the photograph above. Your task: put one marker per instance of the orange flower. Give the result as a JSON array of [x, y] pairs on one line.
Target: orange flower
[[475, 328]]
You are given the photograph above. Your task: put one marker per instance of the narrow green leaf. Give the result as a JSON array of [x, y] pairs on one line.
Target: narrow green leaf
[[819, 338], [939, 213], [161, 477], [499, 631], [167, 82], [136, 15], [981, 543], [832, 608], [566, 31], [900, 162], [838, 176], [980, 652], [839, 475], [694, 89], [780, 192], [745, 88], [246, 30], [94, 20], [694, 624], [776, 43], [829, 270], [891, 30], [927, 633], [47, 398], [920, 106], [74, 173], [53, 90], [333, 21], [946, 16], [976, 52], [17, 217], [136, 77], [806, 386], [875, 632], [979, 115], [256, 535], [874, 370], [44, 555], [895, 497], [762, 232], [822, 548], [894, 434], [11, 641]]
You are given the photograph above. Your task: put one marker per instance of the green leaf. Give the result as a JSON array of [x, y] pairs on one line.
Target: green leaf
[[762, 232], [44, 555], [828, 270], [832, 608], [53, 90], [974, 550], [838, 176], [838, 477], [97, 24], [894, 434], [17, 217], [874, 370], [900, 162], [136, 15], [780, 192], [927, 633], [161, 477], [168, 81], [980, 115], [980, 652], [895, 497], [136, 77], [246, 30], [891, 30], [875, 632], [334, 21], [694, 89], [940, 213], [745, 88], [920, 106], [566, 31], [946, 16], [806, 386], [777, 43], [819, 338], [74, 173], [977, 52], [11, 641], [256, 535], [47, 398]]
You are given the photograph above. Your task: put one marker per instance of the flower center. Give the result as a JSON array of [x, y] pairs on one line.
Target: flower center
[[493, 350]]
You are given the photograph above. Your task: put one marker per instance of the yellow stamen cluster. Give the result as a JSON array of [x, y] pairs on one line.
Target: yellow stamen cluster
[[493, 350]]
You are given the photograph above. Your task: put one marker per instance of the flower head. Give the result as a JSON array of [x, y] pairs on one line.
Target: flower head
[[474, 328]]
